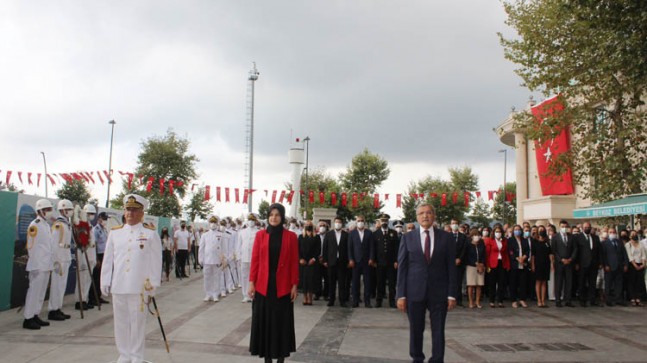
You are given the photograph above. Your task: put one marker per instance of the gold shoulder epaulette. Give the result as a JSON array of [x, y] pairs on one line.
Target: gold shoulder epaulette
[[33, 231], [57, 225], [117, 227]]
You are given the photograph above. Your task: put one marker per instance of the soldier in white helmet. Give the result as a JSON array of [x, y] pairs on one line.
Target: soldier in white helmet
[[245, 245], [61, 242], [85, 271], [211, 255], [40, 263], [132, 270]]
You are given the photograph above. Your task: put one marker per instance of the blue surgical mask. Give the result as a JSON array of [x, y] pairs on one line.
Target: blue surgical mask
[[517, 233], [526, 234]]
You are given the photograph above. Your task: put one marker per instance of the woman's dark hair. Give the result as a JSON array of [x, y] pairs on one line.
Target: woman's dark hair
[[164, 233], [279, 207]]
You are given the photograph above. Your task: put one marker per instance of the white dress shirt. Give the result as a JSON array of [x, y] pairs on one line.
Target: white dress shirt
[[423, 235]]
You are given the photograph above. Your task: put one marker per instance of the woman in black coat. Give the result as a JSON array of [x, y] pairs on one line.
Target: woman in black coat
[[309, 251]]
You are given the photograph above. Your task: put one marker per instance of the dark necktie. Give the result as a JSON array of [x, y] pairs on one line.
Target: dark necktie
[[427, 246]]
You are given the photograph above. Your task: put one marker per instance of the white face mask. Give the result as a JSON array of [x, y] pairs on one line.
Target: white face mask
[[497, 235], [476, 238], [337, 226], [213, 226], [222, 228], [67, 213], [613, 236], [322, 229], [454, 227], [360, 225], [485, 233], [251, 223], [48, 215], [398, 229], [562, 230], [604, 235]]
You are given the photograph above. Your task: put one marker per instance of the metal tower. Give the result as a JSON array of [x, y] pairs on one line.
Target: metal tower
[[249, 135]]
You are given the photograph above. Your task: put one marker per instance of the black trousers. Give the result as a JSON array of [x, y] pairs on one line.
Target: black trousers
[[518, 284], [496, 283], [194, 252], [386, 275], [563, 282], [338, 280], [361, 269], [96, 278], [417, 311], [460, 271], [613, 285], [586, 281], [166, 261], [180, 262], [635, 283], [322, 279]]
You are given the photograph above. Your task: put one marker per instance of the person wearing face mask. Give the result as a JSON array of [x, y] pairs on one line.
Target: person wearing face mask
[[541, 264], [530, 285], [212, 256], [361, 257], [245, 245], [100, 236], [519, 249], [40, 249], [587, 265], [461, 248], [614, 260], [309, 251], [62, 238], [385, 245], [564, 248], [497, 261], [85, 271], [410, 227], [167, 252], [399, 229], [181, 249], [637, 257], [322, 274], [475, 271], [227, 281], [230, 228], [335, 259]]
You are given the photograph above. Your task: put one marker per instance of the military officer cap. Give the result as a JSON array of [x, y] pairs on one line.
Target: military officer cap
[[384, 217], [135, 201], [398, 223], [223, 222], [213, 219], [103, 215], [252, 217]]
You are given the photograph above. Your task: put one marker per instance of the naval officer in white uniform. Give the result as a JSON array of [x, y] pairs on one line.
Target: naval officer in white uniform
[[62, 240], [244, 246], [211, 255], [132, 270]]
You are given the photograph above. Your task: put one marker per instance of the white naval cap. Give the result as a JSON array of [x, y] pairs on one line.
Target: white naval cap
[[135, 201]]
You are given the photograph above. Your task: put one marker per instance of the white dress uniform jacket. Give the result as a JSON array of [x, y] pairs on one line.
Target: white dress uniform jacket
[[246, 243], [62, 239], [133, 255], [212, 248], [40, 246]]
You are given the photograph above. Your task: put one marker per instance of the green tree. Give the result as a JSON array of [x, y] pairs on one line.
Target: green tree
[[76, 191], [263, 209], [11, 187], [593, 53], [318, 181], [461, 180], [481, 214], [198, 206], [506, 210], [163, 157]]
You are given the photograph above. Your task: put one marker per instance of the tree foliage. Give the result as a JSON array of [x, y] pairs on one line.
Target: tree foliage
[[198, 206], [263, 209], [76, 191], [461, 180], [318, 181], [593, 53], [503, 210], [481, 214]]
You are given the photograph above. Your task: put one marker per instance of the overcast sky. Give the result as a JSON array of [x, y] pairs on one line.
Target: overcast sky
[[422, 83]]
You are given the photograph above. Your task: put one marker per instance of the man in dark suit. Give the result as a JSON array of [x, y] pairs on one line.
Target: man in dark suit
[[615, 261], [322, 273], [335, 259], [564, 248], [360, 258], [385, 243], [587, 265], [461, 248], [426, 281]]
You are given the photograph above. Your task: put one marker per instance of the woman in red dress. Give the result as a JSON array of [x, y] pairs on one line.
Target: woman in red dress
[[497, 262]]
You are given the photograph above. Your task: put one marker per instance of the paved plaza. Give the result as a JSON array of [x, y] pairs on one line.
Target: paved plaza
[[219, 332]]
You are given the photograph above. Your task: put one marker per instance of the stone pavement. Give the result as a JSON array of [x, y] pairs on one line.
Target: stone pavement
[[219, 332]]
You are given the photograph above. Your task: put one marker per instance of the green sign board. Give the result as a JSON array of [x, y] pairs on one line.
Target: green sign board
[[611, 211]]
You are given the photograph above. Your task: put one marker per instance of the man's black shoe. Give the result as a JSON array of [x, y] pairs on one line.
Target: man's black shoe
[[569, 305], [392, 305], [368, 305], [316, 298], [36, 318], [622, 303], [66, 316], [331, 303], [343, 305], [91, 305], [378, 304], [558, 304], [55, 316], [104, 301], [30, 324], [356, 305], [77, 306]]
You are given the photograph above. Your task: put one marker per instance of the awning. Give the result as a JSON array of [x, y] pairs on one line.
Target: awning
[[631, 205]]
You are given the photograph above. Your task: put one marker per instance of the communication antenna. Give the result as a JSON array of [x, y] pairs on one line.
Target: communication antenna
[[249, 135]]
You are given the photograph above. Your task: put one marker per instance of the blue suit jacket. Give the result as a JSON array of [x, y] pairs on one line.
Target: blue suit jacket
[[360, 250], [419, 281]]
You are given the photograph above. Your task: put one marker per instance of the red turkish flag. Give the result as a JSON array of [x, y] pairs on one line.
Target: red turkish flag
[[161, 186], [478, 194], [467, 195], [227, 195], [207, 192], [236, 194], [376, 200], [171, 183], [344, 199], [149, 184], [454, 197], [333, 198], [48, 176], [108, 177], [289, 196], [281, 196], [29, 178], [130, 179], [546, 151], [354, 200], [490, 194], [413, 195], [38, 180], [322, 197], [245, 195], [311, 196], [217, 194], [386, 197], [20, 176], [434, 195], [398, 200], [9, 176], [443, 199], [89, 175]]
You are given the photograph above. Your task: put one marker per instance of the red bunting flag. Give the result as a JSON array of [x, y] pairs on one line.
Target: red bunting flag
[[91, 178], [218, 194], [455, 197], [490, 194], [478, 194], [245, 195], [376, 200], [344, 199], [273, 196], [8, 177], [20, 176], [171, 184], [149, 184], [354, 202], [398, 200], [161, 186], [48, 177], [179, 184], [108, 176], [226, 195], [466, 196], [443, 199], [282, 196], [322, 197], [311, 196], [333, 198], [29, 178], [101, 179], [207, 192], [509, 196], [236, 194], [38, 181], [433, 195], [131, 176], [386, 197], [413, 195], [290, 195]]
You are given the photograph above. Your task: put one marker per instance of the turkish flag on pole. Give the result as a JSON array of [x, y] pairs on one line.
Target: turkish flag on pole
[[149, 184], [227, 195], [171, 183], [162, 186], [207, 192], [281, 196], [322, 197], [273, 196], [354, 200], [9, 176], [398, 200], [245, 195], [454, 197], [467, 195], [344, 199], [217, 194], [311, 196], [290, 196], [237, 194], [546, 151], [376, 200], [333, 198], [490, 194], [443, 199]]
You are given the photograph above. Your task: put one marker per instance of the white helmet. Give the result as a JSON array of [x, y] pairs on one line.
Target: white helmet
[[43, 203], [64, 204], [90, 209]]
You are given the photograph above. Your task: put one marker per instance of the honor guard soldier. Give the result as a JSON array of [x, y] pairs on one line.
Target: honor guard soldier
[[211, 255], [227, 284], [386, 256], [85, 271], [132, 270], [39, 265], [61, 239], [245, 245]]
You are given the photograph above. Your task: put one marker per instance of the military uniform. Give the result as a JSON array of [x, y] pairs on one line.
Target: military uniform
[[132, 269], [386, 252], [233, 258], [40, 264], [245, 245], [211, 255], [61, 243]]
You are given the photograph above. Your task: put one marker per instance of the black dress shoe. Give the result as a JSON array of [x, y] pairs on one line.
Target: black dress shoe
[[66, 316], [30, 324], [558, 304], [103, 301], [55, 316], [331, 303], [36, 318], [91, 305], [392, 305], [356, 305], [569, 305], [316, 298], [378, 304], [368, 305], [343, 305]]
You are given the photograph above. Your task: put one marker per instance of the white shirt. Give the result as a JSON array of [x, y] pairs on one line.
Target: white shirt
[[246, 243], [338, 236], [423, 235], [182, 237], [212, 249], [321, 237], [361, 234], [499, 245]]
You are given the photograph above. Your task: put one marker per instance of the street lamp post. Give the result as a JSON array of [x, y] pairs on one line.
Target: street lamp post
[[307, 192], [45, 164], [112, 134], [505, 197]]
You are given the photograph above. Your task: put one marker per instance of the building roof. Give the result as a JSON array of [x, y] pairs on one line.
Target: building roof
[[630, 205]]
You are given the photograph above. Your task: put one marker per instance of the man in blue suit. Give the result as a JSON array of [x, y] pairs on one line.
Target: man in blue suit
[[615, 261], [360, 257], [426, 281]]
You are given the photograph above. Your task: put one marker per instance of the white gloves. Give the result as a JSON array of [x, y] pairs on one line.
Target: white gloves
[[105, 290], [57, 268]]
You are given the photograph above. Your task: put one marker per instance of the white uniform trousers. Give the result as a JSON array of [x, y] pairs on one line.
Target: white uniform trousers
[[36, 293], [212, 276], [233, 265], [244, 278], [239, 274], [227, 281], [86, 281], [130, 327], [57, 287]]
